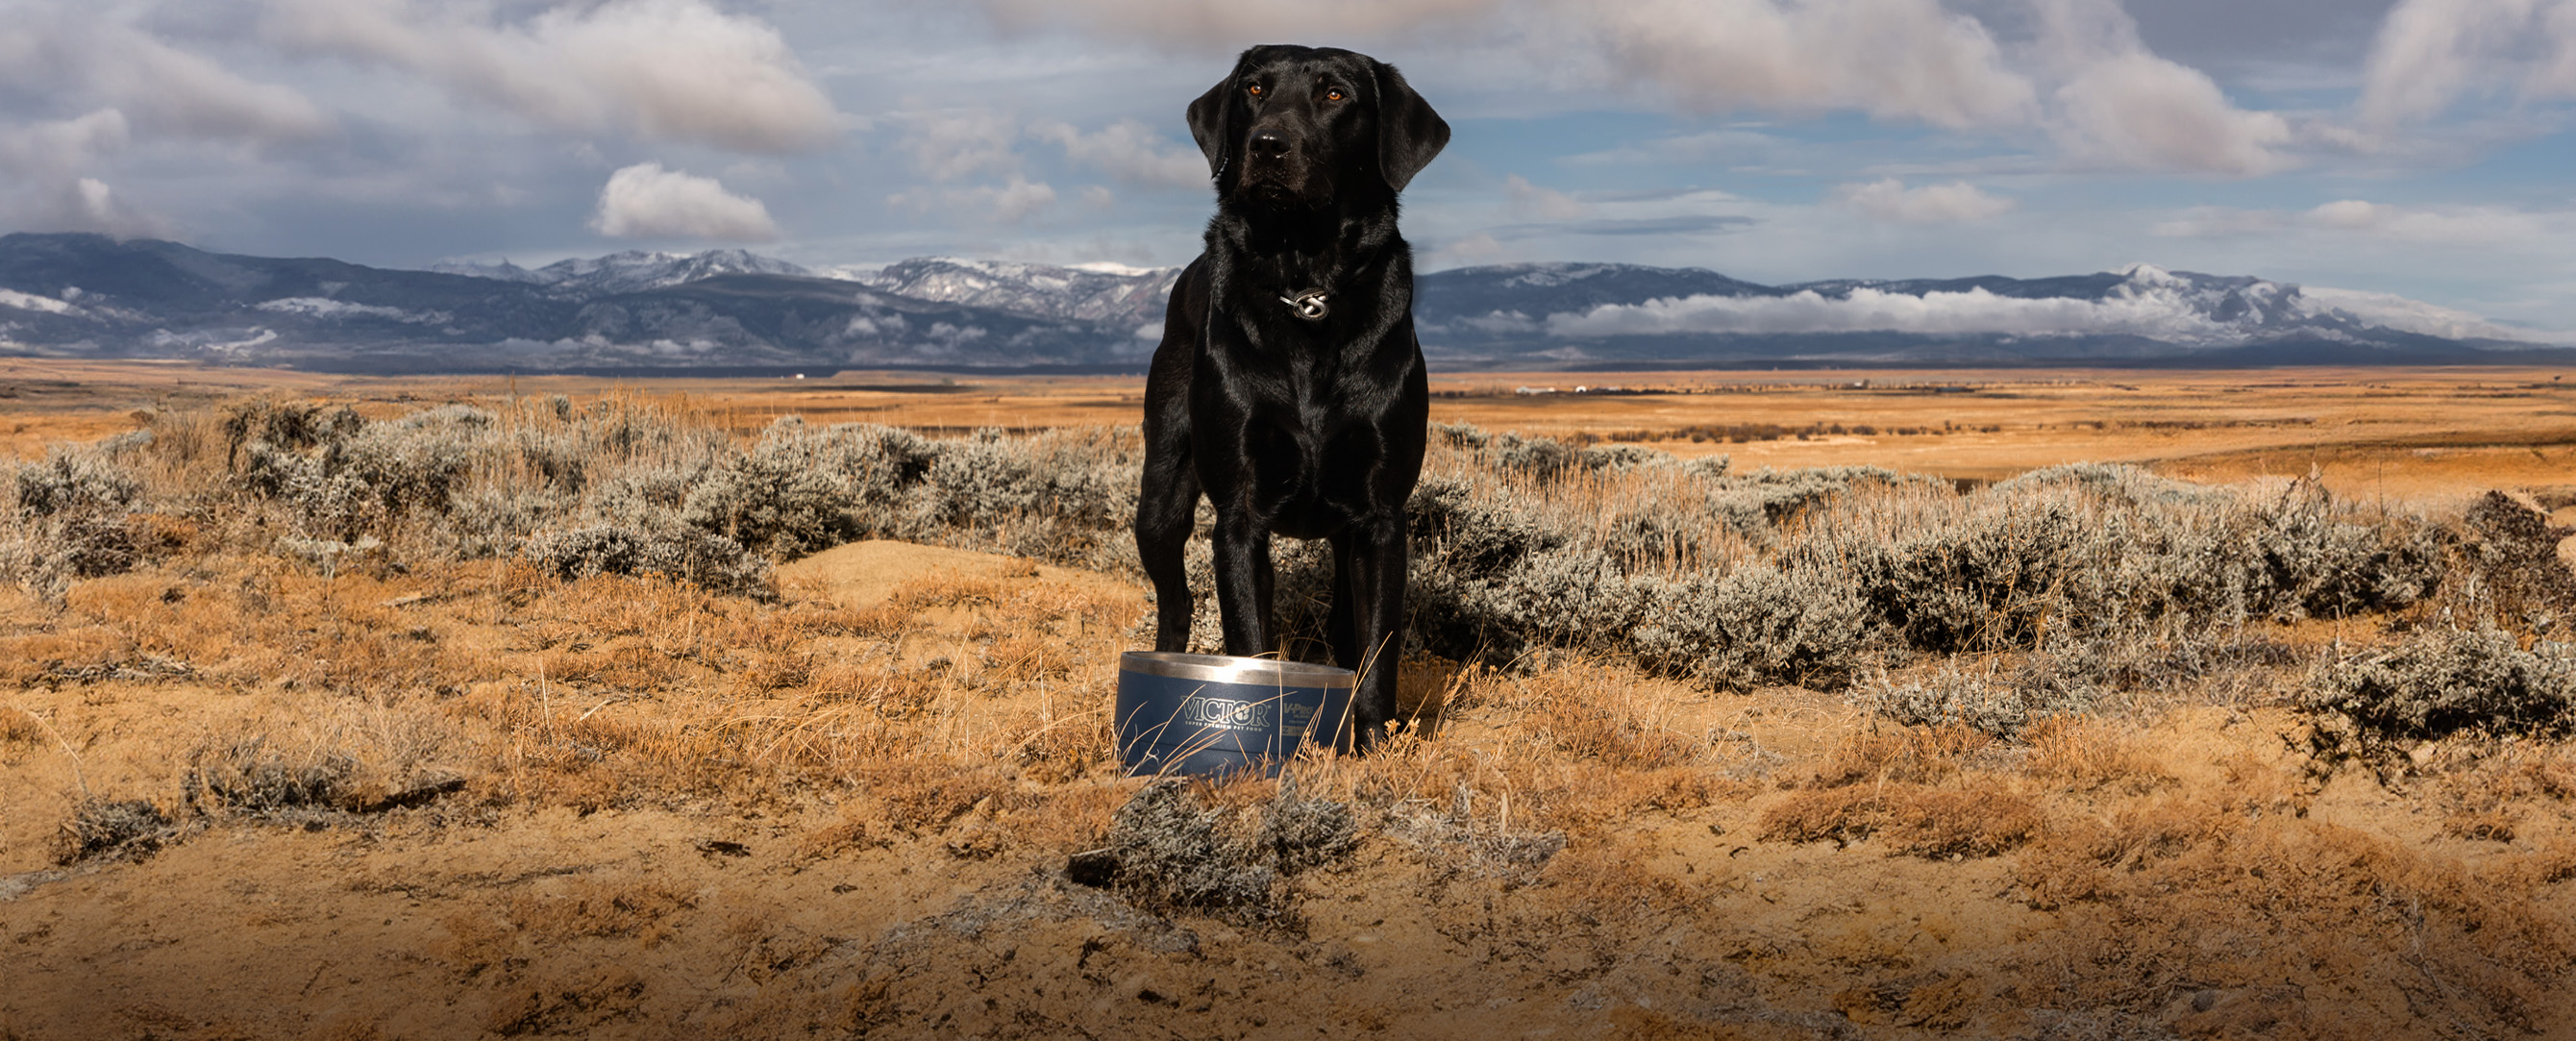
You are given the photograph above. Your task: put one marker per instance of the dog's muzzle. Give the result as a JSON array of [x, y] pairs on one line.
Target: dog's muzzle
[[1308, 305]]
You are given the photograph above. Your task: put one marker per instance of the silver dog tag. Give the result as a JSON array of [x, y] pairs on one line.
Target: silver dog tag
[[1309, 305]]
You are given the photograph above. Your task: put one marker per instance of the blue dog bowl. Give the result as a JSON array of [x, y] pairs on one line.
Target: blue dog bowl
[[1207, 714]]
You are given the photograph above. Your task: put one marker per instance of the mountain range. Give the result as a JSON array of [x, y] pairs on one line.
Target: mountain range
[[90, 296]]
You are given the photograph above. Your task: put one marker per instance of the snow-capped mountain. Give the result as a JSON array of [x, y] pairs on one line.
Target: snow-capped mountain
[[92, 296], [1608, 313], [1092, 293], [631, 271]]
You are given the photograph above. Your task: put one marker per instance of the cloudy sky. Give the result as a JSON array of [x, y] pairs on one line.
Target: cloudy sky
[[2418, 147]]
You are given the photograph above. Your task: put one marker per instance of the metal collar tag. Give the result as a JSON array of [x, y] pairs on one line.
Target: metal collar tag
[[1309, 305]]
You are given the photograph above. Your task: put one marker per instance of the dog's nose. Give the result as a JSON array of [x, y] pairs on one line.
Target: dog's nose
[[1267, 144]]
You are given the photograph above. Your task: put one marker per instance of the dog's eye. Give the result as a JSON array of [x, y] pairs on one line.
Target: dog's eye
[[1254, 90], [1333, 95]]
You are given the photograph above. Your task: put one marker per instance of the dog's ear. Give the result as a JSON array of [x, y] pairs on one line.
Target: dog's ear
[[1409, 134], [1211, 123]]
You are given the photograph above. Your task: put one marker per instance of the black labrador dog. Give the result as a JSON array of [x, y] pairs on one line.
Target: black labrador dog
[[1289, 387]]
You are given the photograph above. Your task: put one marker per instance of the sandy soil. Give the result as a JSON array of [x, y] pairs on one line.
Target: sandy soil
[[2277, 906]]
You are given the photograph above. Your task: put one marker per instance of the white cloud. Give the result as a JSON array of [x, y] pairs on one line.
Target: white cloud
[[48, 186], [1016, 200], [2141, 111], [678, 70], [2078, 70], [2218, 222], [2484, 228], [2462, 226], [2431, 52], [953, 145], [1904, 59], [2349, 213], [946, 146], [1531, 201], [52, 151], [88, 204], [647, 201], [2121, 105], [1011, 202], [325, 307], [2146, 310], [1889, 199], [1131, 152], [1479, 248], [1231, 25], [32, 302], [77, 51]]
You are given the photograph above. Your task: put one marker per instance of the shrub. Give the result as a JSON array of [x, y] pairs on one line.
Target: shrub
[[72, 520], [1997, 706], [1985, 580], [2315, 562], [2514, 550], [711, 561], [415, 462], [789, 495], [284, 424], [1168, 847], [75, 482], [1522, 546], [1757, 622], [2440, 682]]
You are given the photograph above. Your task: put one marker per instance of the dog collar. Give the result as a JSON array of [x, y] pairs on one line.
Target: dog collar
[[1308, 305]]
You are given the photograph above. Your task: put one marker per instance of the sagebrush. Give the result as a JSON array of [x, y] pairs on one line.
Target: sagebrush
[[1523, 548]]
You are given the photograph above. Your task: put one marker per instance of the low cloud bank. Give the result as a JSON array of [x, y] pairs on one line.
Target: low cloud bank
[[2152, 304], [2159, 314], [2390, 311]]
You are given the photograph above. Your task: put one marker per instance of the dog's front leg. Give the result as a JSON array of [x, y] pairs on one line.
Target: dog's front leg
[[1243, 581], [1374, 573]]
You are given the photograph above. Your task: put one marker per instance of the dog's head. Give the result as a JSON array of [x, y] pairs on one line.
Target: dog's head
[[1305, 127]]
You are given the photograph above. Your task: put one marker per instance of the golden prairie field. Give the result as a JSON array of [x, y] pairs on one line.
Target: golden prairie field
[[293, 747]]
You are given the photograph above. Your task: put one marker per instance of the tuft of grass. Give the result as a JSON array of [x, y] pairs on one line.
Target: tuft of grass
[[2086, 756], [130, 829], [248, 776], [1912, 755]]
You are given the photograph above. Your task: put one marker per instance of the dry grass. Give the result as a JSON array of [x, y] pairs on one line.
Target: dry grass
[[1909, 819], [2090, 756], [828, 810], [20, 727], [2186, 891]]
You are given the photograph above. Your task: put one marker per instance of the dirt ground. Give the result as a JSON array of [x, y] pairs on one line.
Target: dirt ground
[[2261, 902], [575, 813]]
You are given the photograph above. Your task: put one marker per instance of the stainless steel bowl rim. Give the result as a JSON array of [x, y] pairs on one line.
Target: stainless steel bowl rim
[[1220, 668]]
